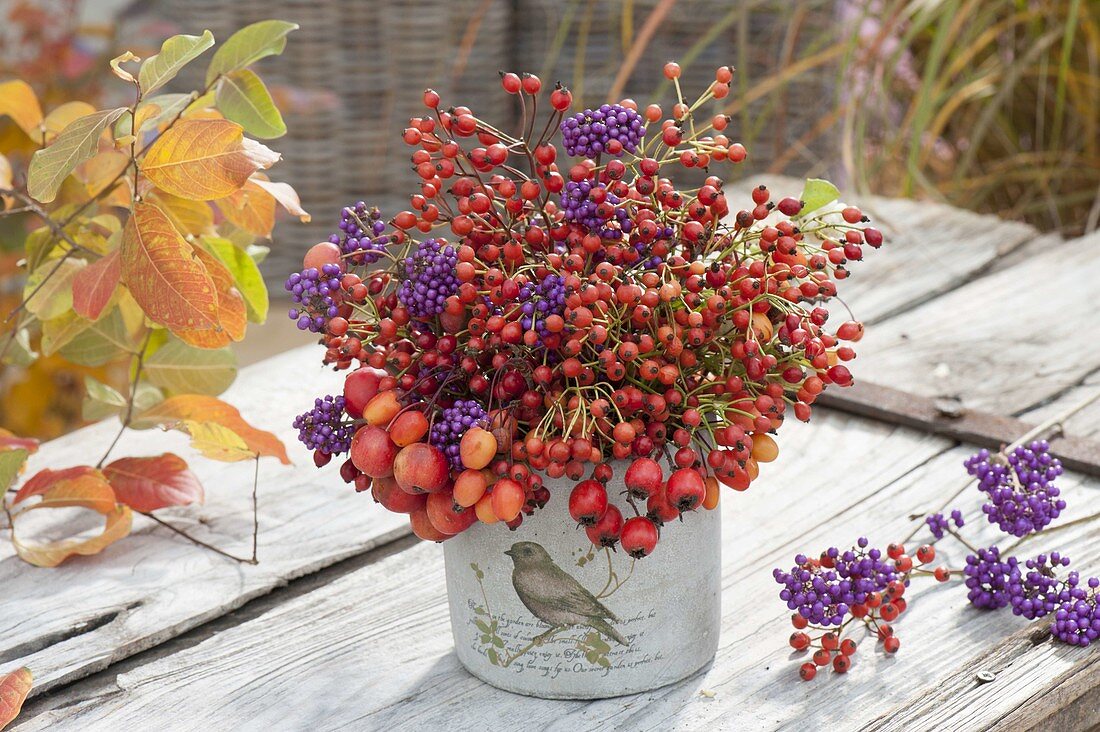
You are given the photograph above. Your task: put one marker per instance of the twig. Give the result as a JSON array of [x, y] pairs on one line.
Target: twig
[[129, 402], [1046, 532], [200, 542]]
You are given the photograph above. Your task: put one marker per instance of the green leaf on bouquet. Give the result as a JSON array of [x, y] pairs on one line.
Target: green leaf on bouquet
[[175, 53], [818, 193], [183, 369], [249, 45], [243, 98]]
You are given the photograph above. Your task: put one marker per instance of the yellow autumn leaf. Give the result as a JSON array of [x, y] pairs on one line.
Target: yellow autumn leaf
[[204, 159], [217, 442], [18, 101]]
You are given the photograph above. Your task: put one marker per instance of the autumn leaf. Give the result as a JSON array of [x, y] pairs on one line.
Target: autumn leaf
[[217, 443], [174, 411], [232, 312], [251, 208], [117, 524], [94, 285], [183, 369], [149, 483], [46, 479], [285, 195], [49, 289], [11, 462], [162, 273], [61, 117], [9, 441], [246, 274], [101, 342], [190, 217], [204, 159], [78, 142], [14, 688], [18, 101], [79, 487]]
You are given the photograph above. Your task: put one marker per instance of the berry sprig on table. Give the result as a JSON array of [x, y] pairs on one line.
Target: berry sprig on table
[[533, 317], [840, 593]]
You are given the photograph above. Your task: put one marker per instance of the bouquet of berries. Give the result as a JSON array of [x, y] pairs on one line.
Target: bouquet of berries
[[563, 309]]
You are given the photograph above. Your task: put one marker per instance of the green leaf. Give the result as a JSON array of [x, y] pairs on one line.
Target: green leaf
[[103, 341], [11, 462], [182, 369], [146, 397], [481, 625], [258, 252], [60, 331], [479, 610], [817, 193], [602, 661], [50, 288], [100, 400], [245, 273], [498, 642], [243, 98], [20, 352], [76, 143], [249, 45], [175, 53], [493, 657]]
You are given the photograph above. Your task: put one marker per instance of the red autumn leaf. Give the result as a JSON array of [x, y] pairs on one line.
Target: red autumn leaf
[[8, 441], [148, 483], [45, 479], [94, 285], [14, 688]]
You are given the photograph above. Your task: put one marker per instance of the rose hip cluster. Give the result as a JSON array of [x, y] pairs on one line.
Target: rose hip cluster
[[534, 317]]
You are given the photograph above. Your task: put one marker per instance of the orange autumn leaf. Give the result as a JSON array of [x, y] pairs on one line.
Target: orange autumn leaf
[[46, 478], [175, 411], [232, 311], [94, 285], [251, 208], [88, 490], [285, 195], [14, 688], [204, 159], [148, 483], [190, 217], [163, 274]]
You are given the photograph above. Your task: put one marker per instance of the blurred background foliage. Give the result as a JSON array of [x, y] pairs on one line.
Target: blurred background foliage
[[991, 105]]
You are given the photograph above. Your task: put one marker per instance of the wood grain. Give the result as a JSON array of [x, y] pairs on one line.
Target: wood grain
[[371, 651], [79, 618], [1001, 344]]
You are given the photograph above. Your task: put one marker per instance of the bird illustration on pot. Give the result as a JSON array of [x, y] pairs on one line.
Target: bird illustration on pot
[[555, 597]]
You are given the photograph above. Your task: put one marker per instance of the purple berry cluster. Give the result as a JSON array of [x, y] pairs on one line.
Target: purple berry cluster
[[451, 425], [1077, 621], [541, 301], [317, 296], [988, 577], [590, 133], [591, 206], [361, 233], [1037, 591], [823, 591], [429, 279], [1023, 497], [324, 428], [939, 525]]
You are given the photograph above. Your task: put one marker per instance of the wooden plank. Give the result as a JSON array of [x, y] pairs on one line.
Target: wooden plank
[[949, 419], [930, 249], [371, 650], [79, 618], [1001, 344]]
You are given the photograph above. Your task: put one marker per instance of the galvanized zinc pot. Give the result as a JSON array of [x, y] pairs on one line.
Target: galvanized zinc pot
[[540, 611]]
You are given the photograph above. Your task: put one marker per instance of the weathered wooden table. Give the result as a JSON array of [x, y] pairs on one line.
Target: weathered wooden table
[[343, 625]]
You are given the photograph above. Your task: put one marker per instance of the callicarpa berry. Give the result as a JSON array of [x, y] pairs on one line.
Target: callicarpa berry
[[989, 577], [612, 129], [1023, 497], [452, 423], [939, 525], [325, 427], [362, 233], [317, 294], [428, 279]]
